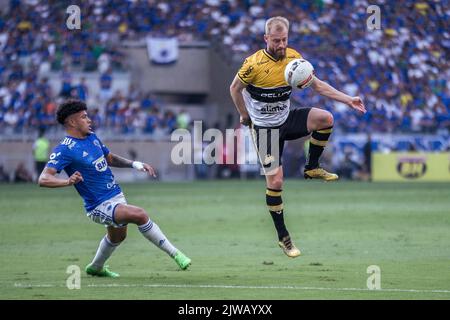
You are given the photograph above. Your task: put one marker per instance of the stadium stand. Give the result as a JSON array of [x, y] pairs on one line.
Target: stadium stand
[[401, 70], [407, 58]]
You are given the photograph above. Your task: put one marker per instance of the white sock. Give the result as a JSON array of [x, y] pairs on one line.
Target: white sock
[[151, 231], [104, 251]]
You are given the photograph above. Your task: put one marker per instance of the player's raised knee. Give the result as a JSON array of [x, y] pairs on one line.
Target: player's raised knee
[[140, 216], [328, 119]]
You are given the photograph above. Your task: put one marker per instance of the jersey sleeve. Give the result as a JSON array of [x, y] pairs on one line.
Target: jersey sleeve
[[103, 146], [247, 72], [59, 159]]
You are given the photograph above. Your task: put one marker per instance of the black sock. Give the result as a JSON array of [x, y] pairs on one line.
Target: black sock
[[275, 205], [317, 144]]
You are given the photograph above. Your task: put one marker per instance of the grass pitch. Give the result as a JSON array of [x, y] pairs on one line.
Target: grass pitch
[[224, 226]]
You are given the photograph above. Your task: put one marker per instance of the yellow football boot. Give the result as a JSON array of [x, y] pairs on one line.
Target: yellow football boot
[[320, 173]]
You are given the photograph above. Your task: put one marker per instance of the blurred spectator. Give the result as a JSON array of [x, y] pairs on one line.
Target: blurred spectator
[[21, 174], [183, 120], [401, 71], [104, 63], [40, 152], [66, 85], [82, 90], [105, 92], [367, 151], [11, 118], [170, 121], [350, 167], [4, 177], [152, 120]]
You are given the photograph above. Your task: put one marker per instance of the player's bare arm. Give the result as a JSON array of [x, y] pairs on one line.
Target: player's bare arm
[[119, 162], [236, 94], [48, 179], [323, 88]]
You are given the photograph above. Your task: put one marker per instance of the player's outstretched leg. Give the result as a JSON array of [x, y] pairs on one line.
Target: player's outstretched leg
[[107, 246], [275, 205], [151, 231], [320, 122]]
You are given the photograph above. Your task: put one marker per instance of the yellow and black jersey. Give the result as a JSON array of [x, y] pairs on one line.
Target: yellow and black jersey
[[267, 93]]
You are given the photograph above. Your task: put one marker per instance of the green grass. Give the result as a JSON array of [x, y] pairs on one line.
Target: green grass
[[341, 228]]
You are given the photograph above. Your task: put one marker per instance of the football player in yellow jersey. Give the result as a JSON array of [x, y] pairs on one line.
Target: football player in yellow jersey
[[261, 96]]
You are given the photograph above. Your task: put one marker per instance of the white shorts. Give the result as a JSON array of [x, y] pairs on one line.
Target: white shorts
[[104, 212]]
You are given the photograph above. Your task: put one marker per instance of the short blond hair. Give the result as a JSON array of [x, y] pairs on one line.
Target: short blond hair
[[276, 22]]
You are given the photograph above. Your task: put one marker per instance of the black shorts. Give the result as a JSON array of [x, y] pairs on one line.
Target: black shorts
[[293, 128]]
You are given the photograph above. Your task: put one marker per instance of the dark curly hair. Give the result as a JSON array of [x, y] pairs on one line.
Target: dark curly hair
[[69, 107]]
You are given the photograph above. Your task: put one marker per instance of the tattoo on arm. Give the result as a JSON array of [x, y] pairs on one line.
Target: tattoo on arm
[[117, 161]]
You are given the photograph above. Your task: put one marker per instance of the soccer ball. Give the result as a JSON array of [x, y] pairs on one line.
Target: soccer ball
[[299, 73]]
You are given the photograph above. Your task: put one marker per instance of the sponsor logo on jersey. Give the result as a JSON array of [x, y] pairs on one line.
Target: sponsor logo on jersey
[[100, 164], [269, 95], [272, 109], [262, 62], [275, 94]]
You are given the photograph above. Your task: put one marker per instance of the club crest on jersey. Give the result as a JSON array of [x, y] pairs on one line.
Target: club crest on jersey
[[100, 164], [96, 143]]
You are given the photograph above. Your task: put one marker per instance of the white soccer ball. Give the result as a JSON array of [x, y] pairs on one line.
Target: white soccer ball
[[299, 73]]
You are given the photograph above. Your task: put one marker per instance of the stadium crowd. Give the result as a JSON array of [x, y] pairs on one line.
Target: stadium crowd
[[400, 70]]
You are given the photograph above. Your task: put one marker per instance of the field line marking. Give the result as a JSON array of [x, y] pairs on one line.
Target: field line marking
[[213, 286]]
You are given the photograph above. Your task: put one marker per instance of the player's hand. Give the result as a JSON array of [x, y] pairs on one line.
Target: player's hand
[[148, 168], [145, 167], [245, 120], [357, 104], [75, 178]]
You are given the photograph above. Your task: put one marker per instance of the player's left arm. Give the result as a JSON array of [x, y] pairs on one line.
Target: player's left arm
[[119, 162], [324, 89]]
